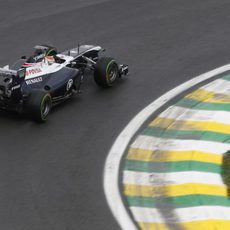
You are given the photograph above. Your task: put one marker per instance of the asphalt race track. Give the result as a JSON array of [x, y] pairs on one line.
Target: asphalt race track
[[51, 174]]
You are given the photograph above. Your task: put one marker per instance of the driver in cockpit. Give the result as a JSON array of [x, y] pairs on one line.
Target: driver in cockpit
[[42, 52]]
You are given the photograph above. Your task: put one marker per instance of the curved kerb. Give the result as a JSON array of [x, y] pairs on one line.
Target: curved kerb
[[112, 163]]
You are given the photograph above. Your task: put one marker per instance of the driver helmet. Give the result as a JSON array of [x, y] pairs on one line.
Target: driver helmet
[[41, 51]]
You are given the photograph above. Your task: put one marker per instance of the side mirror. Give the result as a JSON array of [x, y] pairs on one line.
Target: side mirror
[[21, 73], [23, 57]]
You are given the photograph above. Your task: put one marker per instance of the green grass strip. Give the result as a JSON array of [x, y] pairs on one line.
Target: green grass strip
[[194, 104], [178, 202], [168, 167], [186, 134]]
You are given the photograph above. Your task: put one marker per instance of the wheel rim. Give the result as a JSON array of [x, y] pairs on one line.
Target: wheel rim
[[45, 107], [112, 72]]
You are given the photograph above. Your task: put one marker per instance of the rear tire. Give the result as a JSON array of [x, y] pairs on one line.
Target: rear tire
[[106, 72], [38, 105]]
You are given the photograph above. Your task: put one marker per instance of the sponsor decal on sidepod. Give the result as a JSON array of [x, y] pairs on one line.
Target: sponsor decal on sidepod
[[35, 80], [33, 71]]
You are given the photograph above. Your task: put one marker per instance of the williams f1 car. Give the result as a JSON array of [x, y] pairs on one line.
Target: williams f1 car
[[33, 85]]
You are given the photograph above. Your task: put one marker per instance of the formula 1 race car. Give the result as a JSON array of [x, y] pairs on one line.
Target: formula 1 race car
[[33, 85]]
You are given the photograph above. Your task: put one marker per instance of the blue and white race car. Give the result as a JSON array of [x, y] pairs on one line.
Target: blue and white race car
[[33, 85]]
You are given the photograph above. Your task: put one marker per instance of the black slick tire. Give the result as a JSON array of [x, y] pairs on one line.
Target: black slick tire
[[38, 105], [106, 72]]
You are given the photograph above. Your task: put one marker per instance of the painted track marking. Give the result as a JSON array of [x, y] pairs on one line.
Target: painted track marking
[[112, 164]]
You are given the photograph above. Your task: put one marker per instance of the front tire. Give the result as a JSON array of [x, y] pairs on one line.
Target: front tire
[[106, 72], [38, 105]]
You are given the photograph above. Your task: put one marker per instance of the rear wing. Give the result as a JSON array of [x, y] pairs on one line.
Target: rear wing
[[7, 72], [12, 73], [10, 82]]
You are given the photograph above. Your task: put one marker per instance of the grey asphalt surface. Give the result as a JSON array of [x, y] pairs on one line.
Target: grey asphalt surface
[[51, 174]]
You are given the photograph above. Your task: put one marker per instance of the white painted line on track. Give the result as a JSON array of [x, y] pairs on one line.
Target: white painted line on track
[[112, 164], [152, 215], [171, 178], [185, 114], [218, 86], [155, 143]]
